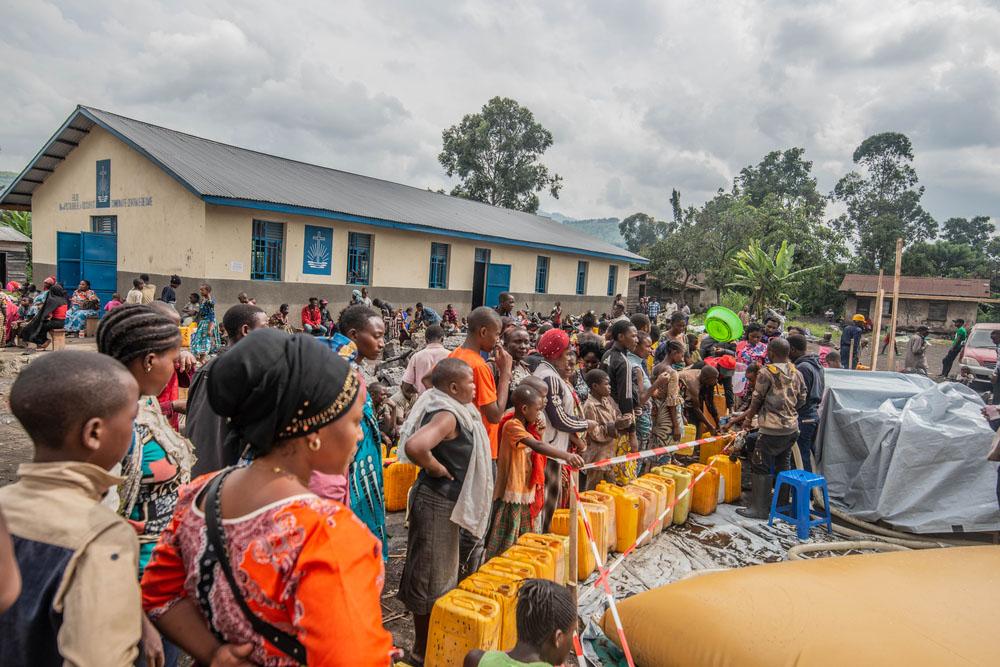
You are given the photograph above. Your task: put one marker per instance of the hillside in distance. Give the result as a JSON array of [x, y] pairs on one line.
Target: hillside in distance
[[605, 229]]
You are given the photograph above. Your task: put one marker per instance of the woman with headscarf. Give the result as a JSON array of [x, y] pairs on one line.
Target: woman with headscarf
[[83, 303], [562, 422], [253, 564], [51, 315]]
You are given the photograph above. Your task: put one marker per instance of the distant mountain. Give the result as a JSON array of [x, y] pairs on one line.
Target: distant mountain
[[605, 229], [6, 177]]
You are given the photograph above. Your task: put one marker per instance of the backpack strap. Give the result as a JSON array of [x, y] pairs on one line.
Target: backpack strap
[[217, 551]]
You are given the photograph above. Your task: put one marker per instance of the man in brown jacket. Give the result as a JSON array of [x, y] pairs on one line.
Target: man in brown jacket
[[779, 393], [79, 604]]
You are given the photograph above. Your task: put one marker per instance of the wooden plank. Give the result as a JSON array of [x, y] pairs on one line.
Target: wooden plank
[[891, 358], [878, 320], [574, 536]]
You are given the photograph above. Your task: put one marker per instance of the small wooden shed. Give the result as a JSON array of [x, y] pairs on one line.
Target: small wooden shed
[[13, 255]]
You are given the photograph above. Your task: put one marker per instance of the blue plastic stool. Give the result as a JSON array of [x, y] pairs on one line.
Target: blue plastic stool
[[803, 483]]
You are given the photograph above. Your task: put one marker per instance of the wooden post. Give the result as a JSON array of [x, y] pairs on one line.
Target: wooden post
[[891, 360], [879, 297], [574, 537]]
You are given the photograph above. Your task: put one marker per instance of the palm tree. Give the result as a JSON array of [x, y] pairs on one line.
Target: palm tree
[[21, 221], [769, 279]]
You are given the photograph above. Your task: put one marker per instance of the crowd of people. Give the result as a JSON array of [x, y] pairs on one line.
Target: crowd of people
[[256, 534]]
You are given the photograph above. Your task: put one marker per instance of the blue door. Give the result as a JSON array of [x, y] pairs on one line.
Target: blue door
[[99, 263], [68, 259], [91, 256], [497, 281]]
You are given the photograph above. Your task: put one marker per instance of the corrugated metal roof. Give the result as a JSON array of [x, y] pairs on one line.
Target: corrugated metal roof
[[11, 235], [224, 174], [972, 288]]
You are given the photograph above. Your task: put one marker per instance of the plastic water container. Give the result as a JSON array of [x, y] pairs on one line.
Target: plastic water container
[[556, 545], [690, 433], [399, 477], [660, 498], [710, 449], [647, 506], [186, 336], [706, 491], [739, 378], [503, 590], [719, 398], [668, 488], [585, 563], [732, 472], [682, 477], [540, 557], [597, 514], [515, 570], [611, 530], [461, 621], [627, 513]]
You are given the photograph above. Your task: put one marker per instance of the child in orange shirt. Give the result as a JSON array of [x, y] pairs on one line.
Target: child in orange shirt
[[513, 492]]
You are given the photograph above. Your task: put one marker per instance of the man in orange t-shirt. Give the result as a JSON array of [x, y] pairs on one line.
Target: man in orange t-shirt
[[483, 336]]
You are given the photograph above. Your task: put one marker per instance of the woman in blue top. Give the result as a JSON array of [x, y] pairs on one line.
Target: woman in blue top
[[159, 461], [361, 335], [205, 340]]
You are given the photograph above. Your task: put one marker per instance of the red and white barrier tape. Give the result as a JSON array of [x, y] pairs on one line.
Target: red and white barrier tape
[[599, 559], [659, 451]]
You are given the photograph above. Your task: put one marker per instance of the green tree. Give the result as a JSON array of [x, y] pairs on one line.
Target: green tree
[[769, 277], [641, 231], [678, 257], [724, 223], [496, 154], [21, 221], [974, 232], [785, 178], [883, 200], [946, 259]]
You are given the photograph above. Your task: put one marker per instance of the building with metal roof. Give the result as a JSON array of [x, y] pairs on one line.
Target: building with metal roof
[[923, 301], [282, 230]]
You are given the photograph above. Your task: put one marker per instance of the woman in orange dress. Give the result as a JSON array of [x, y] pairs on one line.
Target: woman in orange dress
[[304, 574]]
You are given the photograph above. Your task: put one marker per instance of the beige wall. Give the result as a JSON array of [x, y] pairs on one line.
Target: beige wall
[[400, 259], [164, 237]]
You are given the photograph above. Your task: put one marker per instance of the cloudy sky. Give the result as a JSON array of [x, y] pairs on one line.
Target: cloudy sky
[[642, 97]]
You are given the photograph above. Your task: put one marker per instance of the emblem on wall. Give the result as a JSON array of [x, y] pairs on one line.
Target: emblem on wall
[[318, 252], [103, 199]]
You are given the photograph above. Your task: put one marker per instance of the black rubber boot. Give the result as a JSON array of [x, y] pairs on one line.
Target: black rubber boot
[[760, 498]]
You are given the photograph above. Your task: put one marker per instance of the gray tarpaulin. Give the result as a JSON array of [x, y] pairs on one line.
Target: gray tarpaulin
[[907, 451]]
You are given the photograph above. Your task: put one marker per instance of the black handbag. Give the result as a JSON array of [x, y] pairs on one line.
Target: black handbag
[[218, 553]]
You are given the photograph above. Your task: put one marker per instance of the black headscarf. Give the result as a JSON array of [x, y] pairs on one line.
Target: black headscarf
[[273, 386]]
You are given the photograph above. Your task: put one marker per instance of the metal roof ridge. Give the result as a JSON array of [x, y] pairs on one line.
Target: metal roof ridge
[[630, 255]]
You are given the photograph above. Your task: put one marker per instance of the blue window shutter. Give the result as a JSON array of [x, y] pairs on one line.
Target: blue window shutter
[[267, 250], [359, 258], [439, 266], [542, 275], [581, 277]]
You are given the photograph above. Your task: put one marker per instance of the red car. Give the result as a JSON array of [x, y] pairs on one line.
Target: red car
[[980, 354]]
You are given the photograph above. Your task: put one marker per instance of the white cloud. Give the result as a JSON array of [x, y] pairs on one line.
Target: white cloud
[[642, 97]]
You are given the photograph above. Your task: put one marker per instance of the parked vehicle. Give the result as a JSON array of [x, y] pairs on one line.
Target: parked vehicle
[[980, 354]]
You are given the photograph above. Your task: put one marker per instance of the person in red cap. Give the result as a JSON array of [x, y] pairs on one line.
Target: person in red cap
[[564, 423]]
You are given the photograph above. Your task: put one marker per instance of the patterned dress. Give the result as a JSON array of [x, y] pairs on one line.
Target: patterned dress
[[304, 564], [205, 339], [76, 316], [157, 464], [365, 479], [517, 485]]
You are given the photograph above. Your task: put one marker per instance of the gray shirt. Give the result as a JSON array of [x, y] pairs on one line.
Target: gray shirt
[[915, 349]]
